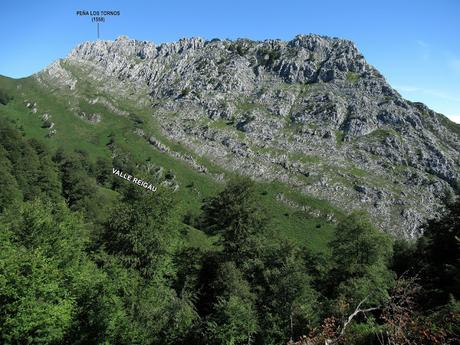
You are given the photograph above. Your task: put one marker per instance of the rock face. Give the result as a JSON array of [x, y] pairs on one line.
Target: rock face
[[310, 112]]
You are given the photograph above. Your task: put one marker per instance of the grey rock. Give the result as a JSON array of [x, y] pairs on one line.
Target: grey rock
[[310, 112]]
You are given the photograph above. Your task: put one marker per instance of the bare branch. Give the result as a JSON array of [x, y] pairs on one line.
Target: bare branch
[[357, 311]]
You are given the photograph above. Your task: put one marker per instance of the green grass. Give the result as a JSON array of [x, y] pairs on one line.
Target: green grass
[[195, 238], [76, 133], [454, 127], [353, 77], [299, 228], [383, 133], [307, 159], [294, 225], [220, 124], [267, 150], [245, 106], [355, 171], [339, 137]]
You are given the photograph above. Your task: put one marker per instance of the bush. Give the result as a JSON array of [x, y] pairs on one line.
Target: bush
[[4, 97], [267, 57]]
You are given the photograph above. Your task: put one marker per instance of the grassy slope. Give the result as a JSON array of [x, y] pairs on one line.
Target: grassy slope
[[75, 133]]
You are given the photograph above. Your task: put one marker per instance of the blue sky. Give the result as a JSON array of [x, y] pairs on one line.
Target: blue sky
[[415, 44]]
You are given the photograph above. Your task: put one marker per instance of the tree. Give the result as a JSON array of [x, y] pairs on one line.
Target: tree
[[35, 306], [398, 313], [438, 251], [225, 303], [4, 97], [286, 298], [234, 322], [52, 228], [47, 177], [404, 258], [221, 280], [23, 159], [100, 315], [10, 194], [155, 315], [143, 233], [77, 188], [236, 214], [360, 254], [103, 171], [41, 263], [233, 319]]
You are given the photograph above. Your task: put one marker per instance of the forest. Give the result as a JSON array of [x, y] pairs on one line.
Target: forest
[[79, 267]]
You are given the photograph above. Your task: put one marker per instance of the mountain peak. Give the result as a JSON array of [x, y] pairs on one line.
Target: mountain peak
[[122, 38], [305, 59], [268, 109]]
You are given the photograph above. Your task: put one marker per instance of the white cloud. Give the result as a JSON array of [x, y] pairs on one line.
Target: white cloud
[[455, 118], [442, 95], [430, 92], [441, 101]]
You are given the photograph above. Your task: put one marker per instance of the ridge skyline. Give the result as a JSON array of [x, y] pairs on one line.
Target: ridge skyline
[[243, 103], [421, 61], [402, 89]]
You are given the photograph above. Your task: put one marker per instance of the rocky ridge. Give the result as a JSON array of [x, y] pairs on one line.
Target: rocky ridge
[[310, 112]]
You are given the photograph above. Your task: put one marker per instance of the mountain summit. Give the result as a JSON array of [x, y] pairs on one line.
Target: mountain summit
[[310, 113]]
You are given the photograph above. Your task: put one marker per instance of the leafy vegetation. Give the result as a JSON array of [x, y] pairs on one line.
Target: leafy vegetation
[[454, 127], [267, 57], [240, 46], [339, 137], [382, 134], [353, 77], [308, 159], [86, 258], [4, 97]]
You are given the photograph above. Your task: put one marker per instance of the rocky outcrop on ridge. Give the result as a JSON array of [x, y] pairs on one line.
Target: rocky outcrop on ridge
[[310, 112]]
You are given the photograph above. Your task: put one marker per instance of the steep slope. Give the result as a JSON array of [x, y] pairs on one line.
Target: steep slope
[[310, 113], [74, 121]]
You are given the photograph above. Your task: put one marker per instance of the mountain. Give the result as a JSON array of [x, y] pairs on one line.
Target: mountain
[[309, 115]]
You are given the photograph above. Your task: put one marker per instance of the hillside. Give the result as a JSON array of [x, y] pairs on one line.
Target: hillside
[[267, 159], [310, 113], [55, 119]]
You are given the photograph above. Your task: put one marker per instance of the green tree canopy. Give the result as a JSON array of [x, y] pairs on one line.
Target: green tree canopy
[[360, 256], [236, 214], [438, 251], [144, 233]]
